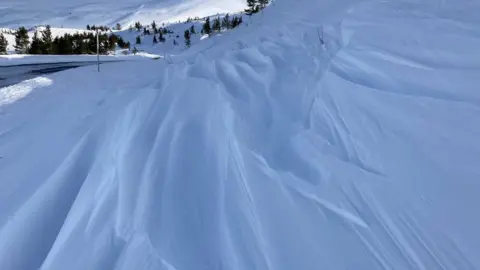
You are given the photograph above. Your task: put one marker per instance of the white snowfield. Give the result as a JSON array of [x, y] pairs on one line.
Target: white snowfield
[[79, 13], [26, 59], [266, 150]]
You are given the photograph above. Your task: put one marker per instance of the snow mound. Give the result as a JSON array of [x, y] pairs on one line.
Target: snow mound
[[16, 92], [268, 150]]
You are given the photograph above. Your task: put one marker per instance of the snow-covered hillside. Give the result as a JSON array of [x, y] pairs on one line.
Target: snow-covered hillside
[[261, 148], [79, 13]]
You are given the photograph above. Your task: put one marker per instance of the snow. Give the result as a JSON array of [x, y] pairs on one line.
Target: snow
[[12, 94], [25, 59], [79, 13], [257, 148]]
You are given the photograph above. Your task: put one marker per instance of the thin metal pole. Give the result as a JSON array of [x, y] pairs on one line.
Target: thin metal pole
[[98, 52]]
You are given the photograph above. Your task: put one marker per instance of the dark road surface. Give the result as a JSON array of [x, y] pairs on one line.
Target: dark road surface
[[14, 74]]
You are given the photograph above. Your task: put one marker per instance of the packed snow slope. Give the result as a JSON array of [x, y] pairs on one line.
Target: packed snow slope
[[79, 13], [259, 149]]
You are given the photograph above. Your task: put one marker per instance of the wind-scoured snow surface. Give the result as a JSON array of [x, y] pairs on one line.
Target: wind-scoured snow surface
[[263, 150]]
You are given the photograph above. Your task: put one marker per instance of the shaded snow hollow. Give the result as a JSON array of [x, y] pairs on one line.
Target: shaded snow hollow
[[266, 150]]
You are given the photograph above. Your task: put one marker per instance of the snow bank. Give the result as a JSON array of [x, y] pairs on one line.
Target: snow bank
[[263, 149], [16, 92], [24, 59]]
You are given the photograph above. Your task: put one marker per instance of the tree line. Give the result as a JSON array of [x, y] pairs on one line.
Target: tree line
[[86, 43], [78, 43], [208, 28], [221, 24], [101, 28]]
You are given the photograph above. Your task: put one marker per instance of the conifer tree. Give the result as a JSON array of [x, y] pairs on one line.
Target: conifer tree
[[263, 3], [3, 44], [207, 29], [88, 27], [112, 42], [66, 45], [79, 46], [47, 40], [138, 40], [118, 27], [192, 30], [55, 45], [252, 7], [187, 38], [237, 21], [155, 41], [138, 25], [234, 22], [217, 25], [226, 23], [36, 45], [161, 38], [91, 43], [61, 46], [154, 26], [121, 43], [21, 40]]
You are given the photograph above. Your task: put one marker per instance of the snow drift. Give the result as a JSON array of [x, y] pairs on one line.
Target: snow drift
[[267, 150]]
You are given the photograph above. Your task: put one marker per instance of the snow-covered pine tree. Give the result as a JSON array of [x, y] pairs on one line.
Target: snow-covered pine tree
[[226, 23], [217, 25], [3, 44], [161, 38], [36, 45], [138, 40], [155, 41], [187, 38], [207, 29], [79, 44], [234, 21], [47, 40], [120, 42], [21, 40], [252, 7], [192, 30], [112, 42], [263, 3], [139, 26]]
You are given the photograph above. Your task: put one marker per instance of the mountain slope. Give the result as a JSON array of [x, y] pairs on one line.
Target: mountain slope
[[79, 13], [259, 149]]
